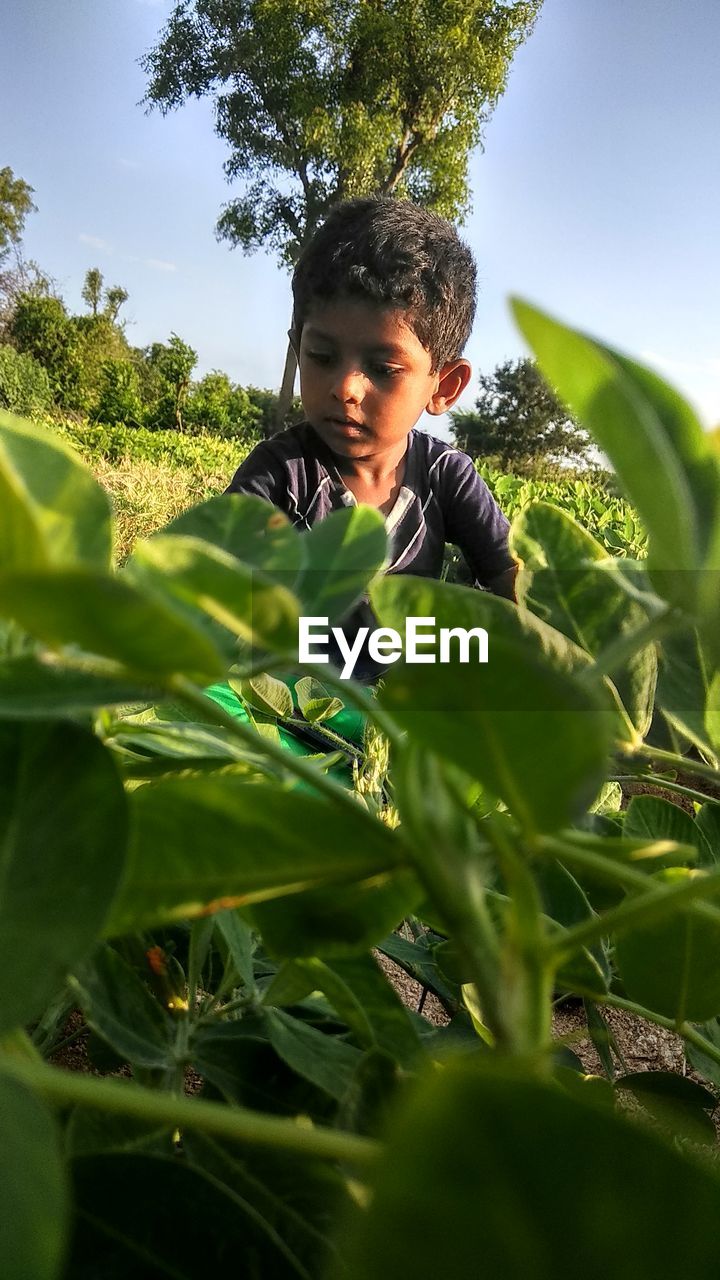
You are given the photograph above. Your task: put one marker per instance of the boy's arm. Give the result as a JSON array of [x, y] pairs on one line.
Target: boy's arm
[[259, 475], [475, 523]]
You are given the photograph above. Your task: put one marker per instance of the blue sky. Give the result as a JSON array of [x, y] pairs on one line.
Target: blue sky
[[596, 196]]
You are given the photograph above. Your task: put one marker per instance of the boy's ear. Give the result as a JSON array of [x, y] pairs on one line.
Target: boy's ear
[[452, 381]]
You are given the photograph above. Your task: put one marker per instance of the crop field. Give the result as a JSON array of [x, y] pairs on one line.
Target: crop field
[[154, 475], [201, 900]]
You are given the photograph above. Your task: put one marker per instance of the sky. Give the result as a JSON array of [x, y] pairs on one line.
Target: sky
[[596, 194]]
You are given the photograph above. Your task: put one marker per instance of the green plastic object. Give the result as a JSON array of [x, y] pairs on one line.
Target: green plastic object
[[348, 723]]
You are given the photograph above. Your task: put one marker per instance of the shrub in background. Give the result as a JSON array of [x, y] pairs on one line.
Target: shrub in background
[[24, 384]]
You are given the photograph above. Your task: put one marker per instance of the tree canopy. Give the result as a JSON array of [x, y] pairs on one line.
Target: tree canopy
[[518, 419], [15, 204], [323, 100]]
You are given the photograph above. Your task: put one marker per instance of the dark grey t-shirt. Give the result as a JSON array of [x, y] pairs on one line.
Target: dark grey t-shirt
[[442, 499]]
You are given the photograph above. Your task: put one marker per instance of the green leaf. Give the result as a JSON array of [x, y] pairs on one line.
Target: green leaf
[[683, 688], [36, 687], [652, 818], [564, 581], [296, 1199], [656, 444], [314, 700], [422, 960], [34, 1201], [396, 597], [673, 967], [707, 1065], [261, 612], [120, 1008], [240, 941], [324, 1060], [249, 529], [647, 1212], [601, 1037], [342, 920], [680, 1105], [566, 902], [62, 847], [390, 1023], [148, 750], [90, 1132], [204, 843], [265, 693], [362, 997], [144, 1215], [712, 712], [107, 616], [54, 512], [344, 553], [707, 823], [512, 723]]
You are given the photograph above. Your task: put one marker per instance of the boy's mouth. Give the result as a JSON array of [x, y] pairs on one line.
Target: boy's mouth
[[349, 425]]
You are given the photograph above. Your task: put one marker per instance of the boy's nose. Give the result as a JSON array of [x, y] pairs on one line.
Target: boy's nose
[[349, 386]]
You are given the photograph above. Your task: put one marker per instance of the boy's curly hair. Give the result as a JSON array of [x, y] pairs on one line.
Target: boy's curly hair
[[396, 254]]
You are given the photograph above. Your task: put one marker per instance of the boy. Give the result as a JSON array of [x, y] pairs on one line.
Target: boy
[[384, 299]]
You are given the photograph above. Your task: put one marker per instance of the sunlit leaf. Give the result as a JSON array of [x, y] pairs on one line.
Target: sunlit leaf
[[52, 510]]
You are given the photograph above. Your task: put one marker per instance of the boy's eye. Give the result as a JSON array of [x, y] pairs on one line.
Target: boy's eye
[[319, 357], [386, 370]]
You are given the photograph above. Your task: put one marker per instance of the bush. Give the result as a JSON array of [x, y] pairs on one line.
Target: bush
[[24, 384], [115, 443], [216, 406], [118, 394], [41, 328]]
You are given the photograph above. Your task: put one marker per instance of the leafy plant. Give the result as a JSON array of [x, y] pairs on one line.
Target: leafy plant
[[207, 898]]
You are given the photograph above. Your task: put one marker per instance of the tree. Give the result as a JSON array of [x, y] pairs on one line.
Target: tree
[[15, 204], [266, 403], [518, 418], [22, 279], [115, 298], [118, 399], [214, 404], [323, 102], [172, 364], [92, 289], [100, 341], [40, 327]]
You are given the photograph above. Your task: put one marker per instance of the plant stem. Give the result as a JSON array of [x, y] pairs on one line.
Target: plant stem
[[638, 911], [609, 869], [235, 1123], [683, 1029], [667, 785], [655, 755], [526, 975]]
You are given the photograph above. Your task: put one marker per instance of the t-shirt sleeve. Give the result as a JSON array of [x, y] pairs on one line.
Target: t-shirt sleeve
[[474, 521], [260, 474]]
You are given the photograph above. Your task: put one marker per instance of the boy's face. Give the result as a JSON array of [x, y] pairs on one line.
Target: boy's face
[[365, 378]]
